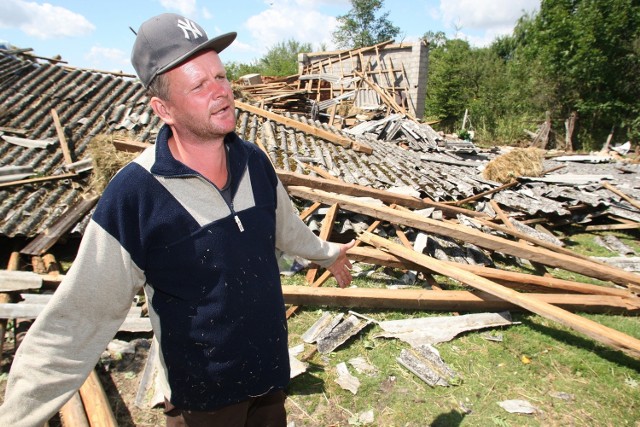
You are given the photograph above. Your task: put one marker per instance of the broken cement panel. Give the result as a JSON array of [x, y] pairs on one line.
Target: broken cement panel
[[433, 330], [321, 327], [425, 362], [345, 379], [340, 334], [518, 406]]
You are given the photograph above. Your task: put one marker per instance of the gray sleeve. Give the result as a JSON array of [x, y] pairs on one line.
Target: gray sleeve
[[293, 237], [69, 335]]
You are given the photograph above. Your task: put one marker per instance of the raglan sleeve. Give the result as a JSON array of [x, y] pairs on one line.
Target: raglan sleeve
[[67, 338], [294, 237]]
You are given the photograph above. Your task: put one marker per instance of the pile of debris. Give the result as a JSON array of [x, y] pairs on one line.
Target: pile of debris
[[415, 199]]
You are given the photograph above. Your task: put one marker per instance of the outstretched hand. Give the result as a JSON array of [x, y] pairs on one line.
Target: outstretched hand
[[341, 266]]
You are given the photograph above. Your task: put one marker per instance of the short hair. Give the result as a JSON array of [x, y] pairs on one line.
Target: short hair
[[159, 86]]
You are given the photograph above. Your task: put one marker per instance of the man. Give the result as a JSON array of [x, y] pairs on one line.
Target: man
[[196, 221]]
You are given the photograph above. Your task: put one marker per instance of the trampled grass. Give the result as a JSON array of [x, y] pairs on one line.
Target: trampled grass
[[569, 378]]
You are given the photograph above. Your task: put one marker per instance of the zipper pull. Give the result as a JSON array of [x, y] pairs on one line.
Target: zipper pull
[[239, 223]]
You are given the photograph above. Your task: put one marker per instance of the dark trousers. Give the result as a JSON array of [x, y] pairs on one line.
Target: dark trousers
[[263, 411]]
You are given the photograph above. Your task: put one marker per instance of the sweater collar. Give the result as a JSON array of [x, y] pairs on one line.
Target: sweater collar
[[166, 165]]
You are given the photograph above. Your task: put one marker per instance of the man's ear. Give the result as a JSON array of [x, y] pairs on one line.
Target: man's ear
[[161, 110]]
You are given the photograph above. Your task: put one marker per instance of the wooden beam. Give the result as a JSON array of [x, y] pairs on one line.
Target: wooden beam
[[341, 187], [72, 414], [308, 129], [129, 145], [63, 141], [594, 330], [421, 299], [325, 232], [38, 180], [614, 190], [95, 402], [466, 234], [45, 240], [375, 256], [484, 193]]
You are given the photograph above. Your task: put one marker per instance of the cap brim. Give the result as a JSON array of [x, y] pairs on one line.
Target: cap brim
[[217, 44]]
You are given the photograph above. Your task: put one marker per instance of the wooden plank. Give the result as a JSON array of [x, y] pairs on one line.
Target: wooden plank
[[325, 232], [614, 190], [45, 240], [594, 330], [308, 129], [341, 187], [95, 402], [375, 256], [38, 180], [63, 141], [484, 193], [13, 280], [72, 414], [130, 146], [466, 234], [439, 300]]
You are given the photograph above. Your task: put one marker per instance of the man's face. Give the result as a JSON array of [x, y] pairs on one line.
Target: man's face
[[200, 98]]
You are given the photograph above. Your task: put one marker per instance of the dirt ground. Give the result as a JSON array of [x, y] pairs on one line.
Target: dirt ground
[[119, 378]]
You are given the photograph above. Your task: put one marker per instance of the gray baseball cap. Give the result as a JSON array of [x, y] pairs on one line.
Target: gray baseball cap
[[167, 40]]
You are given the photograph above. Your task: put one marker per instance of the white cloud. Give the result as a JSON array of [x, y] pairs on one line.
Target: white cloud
[[103, 58], [185, 7], [206, 13], [285, 20], [498, 16], [43, 21]]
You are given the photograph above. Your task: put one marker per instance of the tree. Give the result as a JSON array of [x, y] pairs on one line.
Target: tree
[[588, 55], [360, 27], [279, 61], [434, 40], [282, 59]]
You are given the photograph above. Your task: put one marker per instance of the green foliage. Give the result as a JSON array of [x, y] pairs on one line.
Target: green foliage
[[360, 27], [235, 70], [280, 60], [573, 55], [587, 55]]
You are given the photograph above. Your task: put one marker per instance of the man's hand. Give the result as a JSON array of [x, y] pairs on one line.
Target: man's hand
[[340, 268]]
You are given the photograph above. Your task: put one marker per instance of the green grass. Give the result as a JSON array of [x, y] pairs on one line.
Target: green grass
[[604, 384], [537, 360]]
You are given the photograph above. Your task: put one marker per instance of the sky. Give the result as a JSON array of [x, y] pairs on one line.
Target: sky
[[97, 34]]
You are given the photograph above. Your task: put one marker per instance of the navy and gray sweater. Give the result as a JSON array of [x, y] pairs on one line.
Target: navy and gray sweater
[[208, 268]]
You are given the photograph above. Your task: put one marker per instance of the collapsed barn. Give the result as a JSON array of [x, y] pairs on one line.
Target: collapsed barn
[[345, 139]]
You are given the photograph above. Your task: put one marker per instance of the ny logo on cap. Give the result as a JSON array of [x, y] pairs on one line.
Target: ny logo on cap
[[189, 26]]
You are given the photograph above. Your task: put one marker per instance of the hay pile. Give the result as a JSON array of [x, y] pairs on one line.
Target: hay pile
[[106, 161], [514, 164]]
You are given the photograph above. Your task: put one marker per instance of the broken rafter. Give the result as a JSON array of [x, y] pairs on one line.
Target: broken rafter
[[341, 187], [375, 256], [439, 300], [38, 180], [544, 256], [308, 129], [594, 330]]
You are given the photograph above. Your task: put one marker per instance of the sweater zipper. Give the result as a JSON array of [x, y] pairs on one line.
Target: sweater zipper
[[237, 218]]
